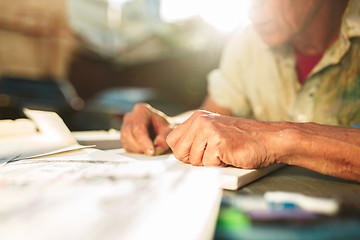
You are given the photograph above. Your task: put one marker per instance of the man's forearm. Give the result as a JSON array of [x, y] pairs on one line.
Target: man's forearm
[[326, 149]]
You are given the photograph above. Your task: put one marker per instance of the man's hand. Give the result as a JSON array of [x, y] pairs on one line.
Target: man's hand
[[208, 139], [144, 130]]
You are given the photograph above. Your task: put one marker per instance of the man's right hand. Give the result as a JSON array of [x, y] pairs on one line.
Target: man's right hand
[[144, 130]]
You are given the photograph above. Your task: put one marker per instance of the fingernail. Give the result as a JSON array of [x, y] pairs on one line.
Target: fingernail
[[149, 152]]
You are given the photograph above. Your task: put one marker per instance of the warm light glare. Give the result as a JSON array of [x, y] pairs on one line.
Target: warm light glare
[[224, 15]]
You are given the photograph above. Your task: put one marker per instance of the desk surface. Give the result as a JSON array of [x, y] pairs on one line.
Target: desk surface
[[344, 225], [296, 179]]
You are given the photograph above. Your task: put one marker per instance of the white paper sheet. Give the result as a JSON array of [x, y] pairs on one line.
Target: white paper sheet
[[232, 178], [47, 135], [91, 194]]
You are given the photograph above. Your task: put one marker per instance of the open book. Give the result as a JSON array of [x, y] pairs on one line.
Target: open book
[[45, 133]]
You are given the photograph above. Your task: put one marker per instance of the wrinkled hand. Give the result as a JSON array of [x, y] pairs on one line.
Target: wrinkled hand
[[139, 126], [208, 139]]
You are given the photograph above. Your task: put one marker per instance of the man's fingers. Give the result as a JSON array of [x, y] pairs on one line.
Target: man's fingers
[[197, 151], [178, 132], [135, 136], [160, 143], [187, 141], [211, 157], [129, 143], [161, 149], [182, 148], [143, 139], [143, 125], [182, 143]]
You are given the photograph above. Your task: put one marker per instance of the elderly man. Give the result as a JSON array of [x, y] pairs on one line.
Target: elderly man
[[296, 70]]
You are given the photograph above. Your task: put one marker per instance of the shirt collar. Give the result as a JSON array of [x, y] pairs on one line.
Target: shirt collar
[[351, 21], [350, 28]]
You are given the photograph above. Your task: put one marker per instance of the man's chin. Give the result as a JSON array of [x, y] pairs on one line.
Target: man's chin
[[273, 40]]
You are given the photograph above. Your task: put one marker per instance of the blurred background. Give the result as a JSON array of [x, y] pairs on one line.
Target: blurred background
[[92, 60]]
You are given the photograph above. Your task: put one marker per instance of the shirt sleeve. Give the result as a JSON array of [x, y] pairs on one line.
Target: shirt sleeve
[[225, 95], [225, 84]]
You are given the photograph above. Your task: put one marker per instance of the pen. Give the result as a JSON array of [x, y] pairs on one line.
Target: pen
[[288, 200], [282, 204]]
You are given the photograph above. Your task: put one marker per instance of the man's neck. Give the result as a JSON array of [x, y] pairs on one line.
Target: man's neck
[[322, 29]]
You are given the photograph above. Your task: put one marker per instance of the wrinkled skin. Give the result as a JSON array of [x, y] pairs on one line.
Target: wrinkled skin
[[204, 139], [208, 139]]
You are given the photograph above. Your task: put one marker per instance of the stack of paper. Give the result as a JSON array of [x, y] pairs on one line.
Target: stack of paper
[[53, 188], [92, 194]]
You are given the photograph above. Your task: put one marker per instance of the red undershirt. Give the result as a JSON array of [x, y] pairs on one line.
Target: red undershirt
[[304, 65]]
